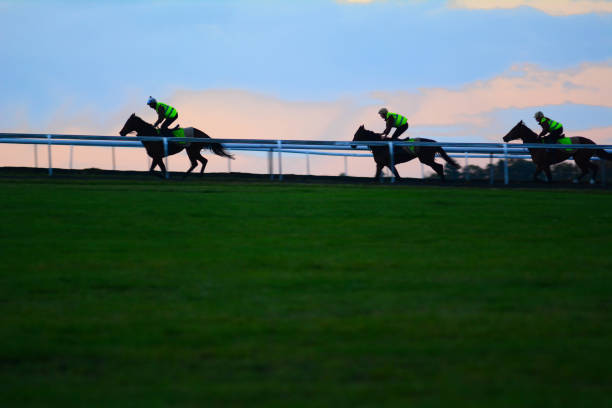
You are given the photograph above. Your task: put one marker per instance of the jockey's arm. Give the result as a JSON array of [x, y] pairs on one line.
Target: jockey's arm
[[545, 128], [388, 128], [160, 118]]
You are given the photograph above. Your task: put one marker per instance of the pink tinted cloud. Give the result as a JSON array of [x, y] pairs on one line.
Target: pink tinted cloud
[[602, 135], [239, 114], [523, 86], [553, 7]]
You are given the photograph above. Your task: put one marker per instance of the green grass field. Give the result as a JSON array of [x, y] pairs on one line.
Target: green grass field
[[153, 294]]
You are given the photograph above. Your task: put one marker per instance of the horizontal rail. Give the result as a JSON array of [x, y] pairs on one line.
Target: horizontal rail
[[295, 144], [499, 151]]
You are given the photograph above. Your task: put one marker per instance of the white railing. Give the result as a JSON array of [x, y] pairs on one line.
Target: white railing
[[502, 151]]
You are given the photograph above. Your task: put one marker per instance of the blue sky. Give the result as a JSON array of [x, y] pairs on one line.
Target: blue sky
[[82, 66]]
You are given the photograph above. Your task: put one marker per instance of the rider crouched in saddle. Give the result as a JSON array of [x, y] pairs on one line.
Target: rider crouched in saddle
[[394, 120], [555, 129], [165, 113]]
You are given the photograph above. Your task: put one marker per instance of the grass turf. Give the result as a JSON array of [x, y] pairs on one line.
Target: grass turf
[[119, 293]]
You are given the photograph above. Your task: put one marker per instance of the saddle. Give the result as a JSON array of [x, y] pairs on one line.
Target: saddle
[[561, 140], [175, 132], [566, 141], [170, 132]]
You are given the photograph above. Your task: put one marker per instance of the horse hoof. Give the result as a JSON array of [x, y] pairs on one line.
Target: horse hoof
[[592, 181]]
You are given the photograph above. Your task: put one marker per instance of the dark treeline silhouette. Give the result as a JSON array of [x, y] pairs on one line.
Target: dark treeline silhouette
[[518, 170]]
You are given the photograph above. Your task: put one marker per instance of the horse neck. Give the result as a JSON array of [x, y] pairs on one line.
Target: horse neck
[[370, 136], [145, 129], [529, 136]]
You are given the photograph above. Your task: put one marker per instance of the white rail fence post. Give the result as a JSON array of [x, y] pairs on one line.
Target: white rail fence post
[[491, 169], [466, 171], [280, 160], [345, 166], [114, 162], [36, 155], [506, 176], [271, 163], [166, 156], [71, 154], [307, 164], [392, 161], [49, 154]]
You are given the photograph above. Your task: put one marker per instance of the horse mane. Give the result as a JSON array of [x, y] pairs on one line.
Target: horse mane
[[142, 121], [370, 135], [524, 126]]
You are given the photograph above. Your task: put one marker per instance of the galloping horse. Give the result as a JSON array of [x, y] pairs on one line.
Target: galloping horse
[[156, 149], [543, 158], [401, 154]]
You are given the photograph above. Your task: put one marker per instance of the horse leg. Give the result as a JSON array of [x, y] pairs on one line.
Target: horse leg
[[157, 161], [153, 164], [438, 168], [194, 163], [539, 169], [584, 169], [204, 161], [193, 154], [595, 169], [394, 171], [162, 167], [548, 174], [379, 168]]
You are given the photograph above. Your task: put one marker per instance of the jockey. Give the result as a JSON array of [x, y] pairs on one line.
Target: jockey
[[393, 120], [549, 125], [165, 113]]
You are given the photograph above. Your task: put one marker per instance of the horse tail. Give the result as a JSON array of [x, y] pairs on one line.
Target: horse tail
[[448, 159], [217, 148], [602, 154]]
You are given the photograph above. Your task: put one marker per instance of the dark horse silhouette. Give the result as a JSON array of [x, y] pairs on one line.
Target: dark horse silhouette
[[543, 158], [426, 154], [156, 149]]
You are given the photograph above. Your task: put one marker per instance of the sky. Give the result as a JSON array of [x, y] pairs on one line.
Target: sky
[[459, 70]]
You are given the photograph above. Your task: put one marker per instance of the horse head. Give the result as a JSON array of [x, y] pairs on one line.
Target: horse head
[[136, 124], [365, 135], [130, 125], [520, 131]]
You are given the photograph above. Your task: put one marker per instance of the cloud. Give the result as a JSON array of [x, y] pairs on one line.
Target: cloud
[[523, 86], [602, 135], [444, 114], [239, 114], [552, 7]]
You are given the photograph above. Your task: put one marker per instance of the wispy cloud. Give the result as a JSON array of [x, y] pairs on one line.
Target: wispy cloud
[[232, 113], [523, 86], [242, 114], [225, 113], [553, 7]]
